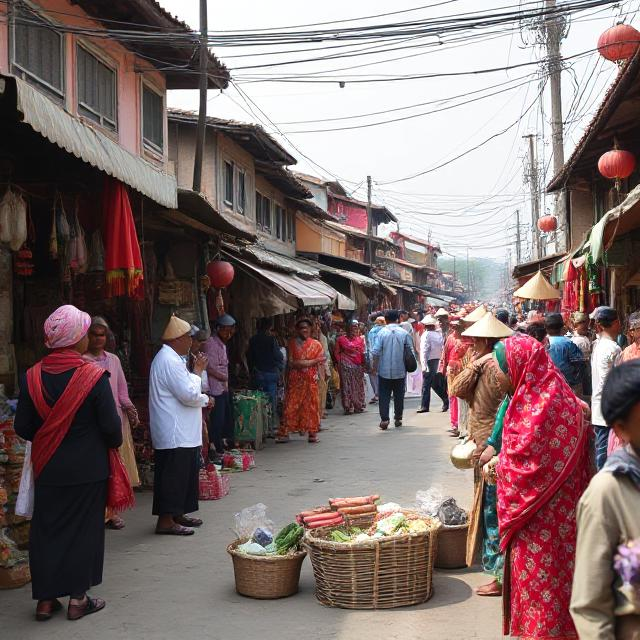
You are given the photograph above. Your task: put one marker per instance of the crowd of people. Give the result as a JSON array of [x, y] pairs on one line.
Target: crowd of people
[[546, 401]]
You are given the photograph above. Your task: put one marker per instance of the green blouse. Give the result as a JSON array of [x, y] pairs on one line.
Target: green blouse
[[495, 439]]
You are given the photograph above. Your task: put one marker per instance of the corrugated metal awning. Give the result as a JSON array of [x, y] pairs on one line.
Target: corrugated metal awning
[[310, 293], [86, 143], [282, 263]]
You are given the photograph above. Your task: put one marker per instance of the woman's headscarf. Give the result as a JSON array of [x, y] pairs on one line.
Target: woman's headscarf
[[545, 436], [66, 326]]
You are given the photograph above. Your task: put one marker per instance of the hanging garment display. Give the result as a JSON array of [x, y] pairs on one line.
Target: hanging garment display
[[78, 245], [96, 253], [13, 219]]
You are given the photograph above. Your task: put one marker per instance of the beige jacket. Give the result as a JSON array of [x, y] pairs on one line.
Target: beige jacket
[[608, 515]]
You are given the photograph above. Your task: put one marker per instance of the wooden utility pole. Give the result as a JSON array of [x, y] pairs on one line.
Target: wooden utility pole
[[553, 30], [369, 222], [202, 114], [535, 198], [518, 254]]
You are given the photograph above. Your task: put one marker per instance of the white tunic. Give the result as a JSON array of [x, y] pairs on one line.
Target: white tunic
[[175, 402]]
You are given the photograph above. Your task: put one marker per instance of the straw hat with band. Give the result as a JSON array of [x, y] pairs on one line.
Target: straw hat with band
[[176, 328], [488, 327]]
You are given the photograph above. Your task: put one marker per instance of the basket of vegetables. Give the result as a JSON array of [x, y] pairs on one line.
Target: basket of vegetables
[[384, 565], [267, 568]]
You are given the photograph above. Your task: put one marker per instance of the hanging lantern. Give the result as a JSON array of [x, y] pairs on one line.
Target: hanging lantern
[[617, 164], [547, 224], [220, 273], [619, 43]]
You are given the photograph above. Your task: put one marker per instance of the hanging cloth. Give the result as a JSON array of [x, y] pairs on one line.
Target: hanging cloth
[[123, 262]]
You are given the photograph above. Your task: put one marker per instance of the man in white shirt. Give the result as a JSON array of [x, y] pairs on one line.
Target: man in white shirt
[[431, 345], [175, 414], [603, 357]]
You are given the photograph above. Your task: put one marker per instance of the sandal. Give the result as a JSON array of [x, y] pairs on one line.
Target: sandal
[[313, 439], [46, 608], [91, 605], [186, 521], [384, 425], [492, 589], [176, 530], [282, 439], [114, 524]]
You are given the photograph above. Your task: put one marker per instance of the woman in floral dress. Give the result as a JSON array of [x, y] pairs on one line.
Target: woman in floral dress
[[543, 470], [349, 354]]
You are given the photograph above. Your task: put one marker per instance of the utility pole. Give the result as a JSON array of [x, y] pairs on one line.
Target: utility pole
[[468, 274], [202, 114], [369, 222], [553, 30], [535, 199], [518, 254]]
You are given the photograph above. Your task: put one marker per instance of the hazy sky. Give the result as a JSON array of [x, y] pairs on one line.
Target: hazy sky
[[470, 202]]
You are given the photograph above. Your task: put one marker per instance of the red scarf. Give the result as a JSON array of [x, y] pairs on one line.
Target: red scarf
[[57, 419]]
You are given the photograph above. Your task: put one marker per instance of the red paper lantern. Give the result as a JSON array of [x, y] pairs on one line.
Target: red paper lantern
[[617, 164], [548, 224], [220, 273], [619, 42]]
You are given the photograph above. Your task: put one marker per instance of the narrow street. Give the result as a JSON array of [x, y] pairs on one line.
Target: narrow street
[[166, 588]]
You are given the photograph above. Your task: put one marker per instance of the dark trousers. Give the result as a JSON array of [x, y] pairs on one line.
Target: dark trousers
[[221, 422], [432, 380], [267, 382], [387, 387], [602, 443]]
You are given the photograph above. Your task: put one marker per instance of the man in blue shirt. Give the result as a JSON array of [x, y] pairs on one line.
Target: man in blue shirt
[[388, 361], [563, 352]]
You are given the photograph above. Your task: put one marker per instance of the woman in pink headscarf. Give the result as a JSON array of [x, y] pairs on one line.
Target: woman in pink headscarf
[[98, 332], [66, 410], [543, 470]]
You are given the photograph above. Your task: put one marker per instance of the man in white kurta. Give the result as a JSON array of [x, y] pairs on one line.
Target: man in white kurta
[[175, 413]]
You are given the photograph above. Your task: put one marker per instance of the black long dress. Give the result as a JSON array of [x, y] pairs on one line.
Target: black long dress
[[66, 544]]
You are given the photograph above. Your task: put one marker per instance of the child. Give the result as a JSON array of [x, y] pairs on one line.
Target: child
[[609, 516]]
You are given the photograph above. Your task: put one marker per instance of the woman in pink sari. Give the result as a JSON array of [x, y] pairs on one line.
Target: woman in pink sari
[[349, 354], [544, 468]]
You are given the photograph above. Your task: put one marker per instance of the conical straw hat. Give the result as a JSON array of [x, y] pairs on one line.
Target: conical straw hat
[[538, 288], [488, 327], [475, 315], [176, 328], [441, 312]]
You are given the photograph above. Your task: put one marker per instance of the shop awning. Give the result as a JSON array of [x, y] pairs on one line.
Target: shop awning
[[90, 145], [345, 304], [282, 263], [544, 264], [310, 293], [358, 278]]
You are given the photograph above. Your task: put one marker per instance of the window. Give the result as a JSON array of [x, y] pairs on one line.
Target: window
[[152, 119], [291, 236], [96, 89], [228, 183], [279, 222], [242, 193], [38, 51], [263, 212]]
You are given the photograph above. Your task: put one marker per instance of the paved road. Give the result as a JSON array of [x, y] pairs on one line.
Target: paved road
[[173, 588]]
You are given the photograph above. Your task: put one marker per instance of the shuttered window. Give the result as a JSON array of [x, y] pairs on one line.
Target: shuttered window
[[263, 212], [279, 222], [228, 183], [37, 51], [96, 89], [242, 191], [152, 118]]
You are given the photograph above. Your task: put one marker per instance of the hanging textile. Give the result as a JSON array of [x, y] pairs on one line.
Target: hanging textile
[[123, 262]]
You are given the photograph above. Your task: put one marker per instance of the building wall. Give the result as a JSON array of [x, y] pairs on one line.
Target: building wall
[[313, 238], [319, 195], [228, 151], [349, 213], [127, 65], [269, 239], [582, 215]]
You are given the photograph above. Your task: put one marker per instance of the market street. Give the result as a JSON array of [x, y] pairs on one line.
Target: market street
[[163, 587]]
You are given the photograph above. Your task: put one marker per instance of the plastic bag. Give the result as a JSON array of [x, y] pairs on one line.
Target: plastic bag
[[450, 514], [250, 519], [24, 503], [428, 502]]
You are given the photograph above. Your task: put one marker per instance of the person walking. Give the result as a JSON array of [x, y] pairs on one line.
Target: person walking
[[580, 337], [175, 414], [563, 352], [544, 467], [604, 355], [67, 411], [431, 346], [266, 364], [379, 323], [96, 352], [221, 427], [608, 516], [301, 400], [349, 355], [392, 344]]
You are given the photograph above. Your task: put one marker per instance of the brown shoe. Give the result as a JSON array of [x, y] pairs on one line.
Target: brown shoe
[[46, 608], [492, 590], [384, 425], [90, 605]]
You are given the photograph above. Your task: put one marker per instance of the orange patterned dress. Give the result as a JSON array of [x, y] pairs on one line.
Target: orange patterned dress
[[301, 402]]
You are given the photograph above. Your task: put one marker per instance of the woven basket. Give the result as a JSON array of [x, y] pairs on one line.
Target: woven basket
[[377, 574], [452, 547], [266, 577]]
